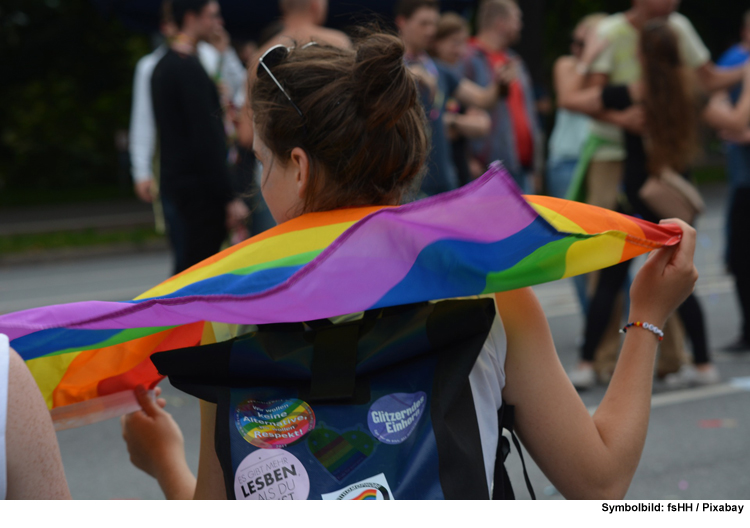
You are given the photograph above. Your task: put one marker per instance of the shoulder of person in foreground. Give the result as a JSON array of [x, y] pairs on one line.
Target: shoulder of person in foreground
[[34, 464]]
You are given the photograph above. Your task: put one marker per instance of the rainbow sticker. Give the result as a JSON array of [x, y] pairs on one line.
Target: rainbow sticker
[[340, 453], [370, 494], [373, 488], [274, 424]]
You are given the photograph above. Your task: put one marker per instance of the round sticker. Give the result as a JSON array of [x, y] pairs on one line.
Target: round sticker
[[394, 417], [274, 424], [271, 475]]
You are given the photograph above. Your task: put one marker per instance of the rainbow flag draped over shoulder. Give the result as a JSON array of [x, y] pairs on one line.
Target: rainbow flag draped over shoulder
[[482, 238]]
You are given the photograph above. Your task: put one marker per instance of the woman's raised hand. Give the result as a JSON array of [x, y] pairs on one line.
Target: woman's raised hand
[[666, 279]]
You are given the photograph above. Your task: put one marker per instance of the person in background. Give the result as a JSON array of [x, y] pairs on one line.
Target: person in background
[[571, 129], [301, 23], [462, 124], [600, 170], [30, 462], [197, 195], [417, 22], [219, 63], [602, 161], [669, 97], [738, 169], [247, 51], [516, 138]]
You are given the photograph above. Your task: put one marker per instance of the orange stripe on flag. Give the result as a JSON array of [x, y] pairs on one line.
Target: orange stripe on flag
[[81, 380], [307, 221], [591, 219], [145, 373]]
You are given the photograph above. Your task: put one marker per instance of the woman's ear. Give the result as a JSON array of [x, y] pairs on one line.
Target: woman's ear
[[301, 164]]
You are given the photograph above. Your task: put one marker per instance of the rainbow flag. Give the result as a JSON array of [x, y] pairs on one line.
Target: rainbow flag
[[482, 238]]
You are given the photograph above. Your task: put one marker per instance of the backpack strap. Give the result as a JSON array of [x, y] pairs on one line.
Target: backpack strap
[[333, 376], [506, 420], [334, 364]]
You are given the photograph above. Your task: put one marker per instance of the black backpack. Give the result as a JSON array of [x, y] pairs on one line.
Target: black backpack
[[377, 408]]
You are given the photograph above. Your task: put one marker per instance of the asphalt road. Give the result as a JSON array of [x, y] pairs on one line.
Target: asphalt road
[[698, 445]]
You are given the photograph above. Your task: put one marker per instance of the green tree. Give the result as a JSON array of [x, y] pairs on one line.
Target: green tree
[[65, 91]]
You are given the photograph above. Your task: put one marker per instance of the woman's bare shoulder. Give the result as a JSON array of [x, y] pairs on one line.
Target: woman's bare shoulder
[[518, 306]]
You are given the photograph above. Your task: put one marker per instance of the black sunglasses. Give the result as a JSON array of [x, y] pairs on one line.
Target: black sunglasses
[[272, 58]]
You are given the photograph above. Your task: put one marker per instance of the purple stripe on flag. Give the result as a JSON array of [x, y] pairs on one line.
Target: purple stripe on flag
[[351, 275]]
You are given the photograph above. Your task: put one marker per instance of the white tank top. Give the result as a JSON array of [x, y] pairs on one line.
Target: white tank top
[[487, 380], [4, 364]]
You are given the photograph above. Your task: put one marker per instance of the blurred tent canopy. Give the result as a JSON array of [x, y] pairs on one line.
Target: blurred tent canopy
[[245, 19]]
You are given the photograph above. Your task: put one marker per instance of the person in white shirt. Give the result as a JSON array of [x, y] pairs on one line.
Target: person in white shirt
[[220, 61]]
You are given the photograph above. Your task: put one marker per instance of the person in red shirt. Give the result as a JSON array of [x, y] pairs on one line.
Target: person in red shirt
[[516, 136]]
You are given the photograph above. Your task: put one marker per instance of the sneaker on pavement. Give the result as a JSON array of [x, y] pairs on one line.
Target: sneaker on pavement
[[583, 378], [709, 376], [689, 376], [681, 379]]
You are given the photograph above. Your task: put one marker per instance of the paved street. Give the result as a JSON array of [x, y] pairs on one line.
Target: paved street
[[699, 440]]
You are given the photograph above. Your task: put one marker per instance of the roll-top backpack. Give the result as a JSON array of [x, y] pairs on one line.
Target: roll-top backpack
[[376, 408]]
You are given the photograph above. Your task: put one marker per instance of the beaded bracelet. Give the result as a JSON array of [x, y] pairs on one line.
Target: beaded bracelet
[[646, 326]]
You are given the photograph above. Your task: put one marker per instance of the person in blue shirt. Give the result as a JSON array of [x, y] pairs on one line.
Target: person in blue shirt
[[417, 22]]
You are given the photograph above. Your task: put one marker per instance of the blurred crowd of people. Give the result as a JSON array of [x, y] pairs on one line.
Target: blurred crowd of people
[[630, 99]]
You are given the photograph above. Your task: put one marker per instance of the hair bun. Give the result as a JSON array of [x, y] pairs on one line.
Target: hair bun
[[383, 86]]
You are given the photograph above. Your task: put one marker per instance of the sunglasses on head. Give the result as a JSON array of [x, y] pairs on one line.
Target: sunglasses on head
[[272, 58]]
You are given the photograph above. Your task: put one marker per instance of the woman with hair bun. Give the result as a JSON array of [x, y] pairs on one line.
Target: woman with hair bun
[[337, 129]]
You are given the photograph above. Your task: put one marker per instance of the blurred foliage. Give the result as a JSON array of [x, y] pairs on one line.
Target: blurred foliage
[[29, 243], [65, 91]]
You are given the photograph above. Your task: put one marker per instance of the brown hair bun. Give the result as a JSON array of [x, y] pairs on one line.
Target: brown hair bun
[[382, 84], [363, 128]]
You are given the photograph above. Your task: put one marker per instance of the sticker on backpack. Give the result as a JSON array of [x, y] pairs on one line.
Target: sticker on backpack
[[393, 418], [271, 475], [274, 424], [373, 488], [340, 453]]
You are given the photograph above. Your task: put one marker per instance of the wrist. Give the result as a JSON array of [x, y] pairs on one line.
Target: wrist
[[176, 480], [169, 464], [644, 316], [179, 485], [646, 326]]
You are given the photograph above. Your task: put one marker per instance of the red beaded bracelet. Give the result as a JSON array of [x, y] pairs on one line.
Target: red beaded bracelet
[[646, 326]]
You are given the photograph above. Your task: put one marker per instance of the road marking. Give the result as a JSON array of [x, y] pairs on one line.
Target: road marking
[[733, 386], [561, 300]]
